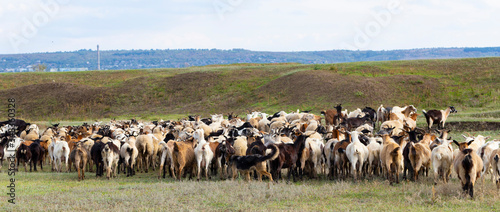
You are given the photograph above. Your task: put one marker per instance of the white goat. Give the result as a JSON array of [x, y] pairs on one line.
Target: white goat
[[60, 154], [442, 161], [202, 152], [374, 147], [357, 153]]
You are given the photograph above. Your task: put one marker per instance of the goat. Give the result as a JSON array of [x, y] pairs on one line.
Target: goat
[[341, 162], [357, 153], [420, 155], [374, 147], [78, 158], [494, 161], [468, 166], [95, 153], [24, 153], [145, 147], [312, 154], [288, 157], [250, 162], [332, 117], [399, 113], [438, 116], [382, 114], [391, 157], [183, 157], [37, 154], [223, 152], [60, 154], [129, 153], [110, 155], [442, 160], [202, 152], [328, 153], [485, 152], [396, 124]]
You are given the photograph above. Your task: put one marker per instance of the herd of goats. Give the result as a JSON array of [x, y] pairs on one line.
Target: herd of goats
[[342, 146]]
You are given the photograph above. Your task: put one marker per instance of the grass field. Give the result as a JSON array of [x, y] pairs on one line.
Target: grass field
[[471, 85], [44, 191]]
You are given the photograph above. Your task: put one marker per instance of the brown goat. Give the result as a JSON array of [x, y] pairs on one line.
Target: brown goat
[[468, 166], [420, 155], [391, 157], [183, 157], [79, 157], [332, 116]]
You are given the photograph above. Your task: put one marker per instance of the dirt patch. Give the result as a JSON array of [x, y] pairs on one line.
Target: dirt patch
[[59, 100], [473, 126], [320, 85]]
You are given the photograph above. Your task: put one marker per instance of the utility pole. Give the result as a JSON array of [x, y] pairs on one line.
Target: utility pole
[[98, 59]]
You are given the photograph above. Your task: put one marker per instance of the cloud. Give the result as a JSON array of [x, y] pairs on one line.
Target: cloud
[[272, 25]]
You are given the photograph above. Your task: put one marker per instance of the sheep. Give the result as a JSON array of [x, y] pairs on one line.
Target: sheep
[[468, 166], [438, 116], [357, 153], [442, 160], [110, 155], [60, 154], [145, 147], [78, 158], [390, 157]]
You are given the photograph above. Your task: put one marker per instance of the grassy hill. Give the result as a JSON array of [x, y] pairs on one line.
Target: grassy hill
[[471, 85]]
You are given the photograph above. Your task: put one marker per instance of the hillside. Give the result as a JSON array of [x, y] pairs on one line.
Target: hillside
[[471, 85], [179, 58]]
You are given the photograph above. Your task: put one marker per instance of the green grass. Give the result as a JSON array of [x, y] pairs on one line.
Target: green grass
[[468, 84]]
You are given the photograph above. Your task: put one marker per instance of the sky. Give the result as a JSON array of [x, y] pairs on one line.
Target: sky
[[28, 26]]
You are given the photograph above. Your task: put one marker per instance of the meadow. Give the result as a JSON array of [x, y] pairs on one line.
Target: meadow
[[471, 85]]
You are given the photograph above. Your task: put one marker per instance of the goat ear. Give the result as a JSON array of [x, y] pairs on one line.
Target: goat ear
[[470, 142], [456, 142]]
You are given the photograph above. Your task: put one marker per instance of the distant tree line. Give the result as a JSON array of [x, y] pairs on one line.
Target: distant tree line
[[178, 58]]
